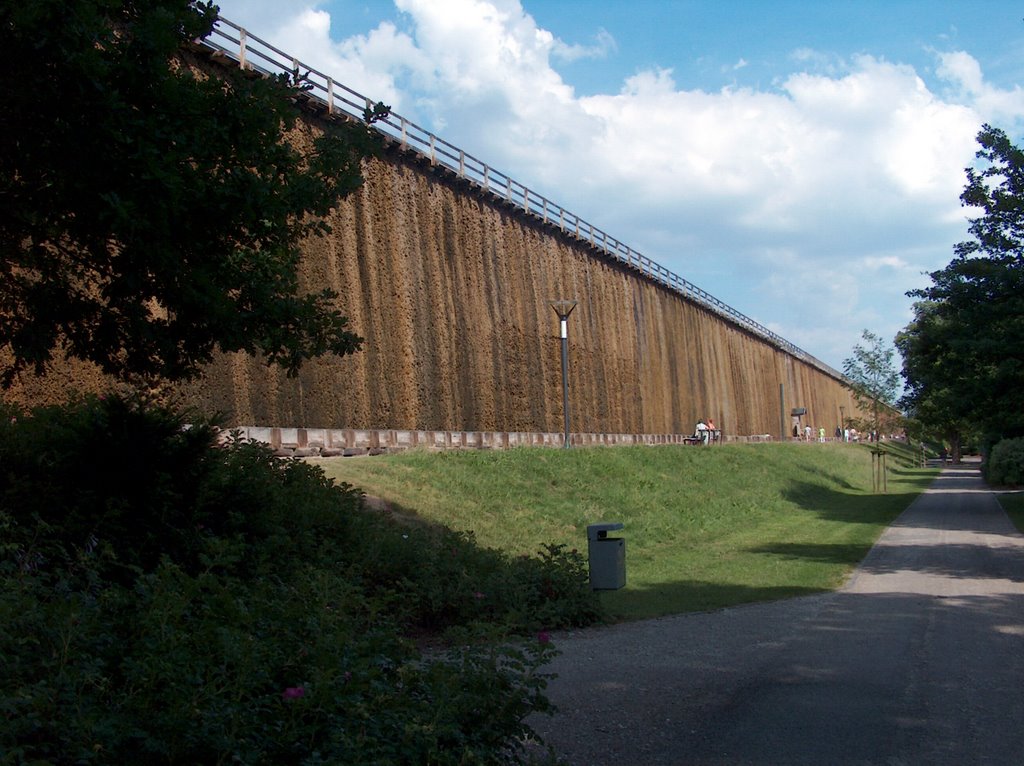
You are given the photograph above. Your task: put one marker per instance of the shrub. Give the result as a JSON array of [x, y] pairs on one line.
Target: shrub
[[197, 669], [107, 474], [169, 598], [1005, 464]]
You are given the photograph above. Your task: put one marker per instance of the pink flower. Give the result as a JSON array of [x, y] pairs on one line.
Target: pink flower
[[544, 637], [478, 594], [293, 693]]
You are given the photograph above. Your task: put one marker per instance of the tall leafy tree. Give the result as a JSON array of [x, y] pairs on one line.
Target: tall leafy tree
[[149, 213], [873, 379], [940, 387], [968, 345]]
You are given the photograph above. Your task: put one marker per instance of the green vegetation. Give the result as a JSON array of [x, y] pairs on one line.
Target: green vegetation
[[705, 528], [165, 599], [1005, 465], [1013, 504]]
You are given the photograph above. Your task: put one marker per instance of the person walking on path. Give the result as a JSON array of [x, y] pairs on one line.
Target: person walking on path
[[916, 660]]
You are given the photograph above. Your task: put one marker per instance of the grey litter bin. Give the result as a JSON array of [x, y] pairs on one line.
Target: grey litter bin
[[607, 557]]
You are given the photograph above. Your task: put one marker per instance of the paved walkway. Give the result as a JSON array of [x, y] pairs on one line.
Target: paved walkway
[[918, 660]]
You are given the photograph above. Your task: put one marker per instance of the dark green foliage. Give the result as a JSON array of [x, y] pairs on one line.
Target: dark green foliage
[[149, 215], [939, 380], [108, 478], [203, 669], [199, 603], [1005, 463], [964, 353]]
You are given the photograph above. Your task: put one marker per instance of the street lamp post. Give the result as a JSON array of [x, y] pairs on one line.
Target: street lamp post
[[563, 308]]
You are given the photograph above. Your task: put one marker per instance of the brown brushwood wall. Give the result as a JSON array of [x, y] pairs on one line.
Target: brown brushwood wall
[[449, 287]]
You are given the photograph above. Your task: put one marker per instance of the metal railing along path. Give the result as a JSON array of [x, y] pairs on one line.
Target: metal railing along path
[[251, 52]]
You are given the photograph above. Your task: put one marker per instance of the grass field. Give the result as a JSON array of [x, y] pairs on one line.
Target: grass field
[[1013, 504], [704, 527]]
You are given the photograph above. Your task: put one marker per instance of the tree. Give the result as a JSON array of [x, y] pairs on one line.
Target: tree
[[940, 389], [873, 378], [151, 214], [968, 345]]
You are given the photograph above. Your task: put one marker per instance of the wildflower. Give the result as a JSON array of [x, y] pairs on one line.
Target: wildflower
[[544, 637], [293, 693], [478, 594]]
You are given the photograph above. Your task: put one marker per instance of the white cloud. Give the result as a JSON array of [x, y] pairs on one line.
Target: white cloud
[[878, 263], [961, 69], [604, 44], [963, 73]]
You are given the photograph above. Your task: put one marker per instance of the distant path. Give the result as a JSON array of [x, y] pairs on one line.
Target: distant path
[[918, 660]]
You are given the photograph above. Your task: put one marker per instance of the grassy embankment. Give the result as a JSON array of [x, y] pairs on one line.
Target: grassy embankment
[[705, 528], [1013, 504]]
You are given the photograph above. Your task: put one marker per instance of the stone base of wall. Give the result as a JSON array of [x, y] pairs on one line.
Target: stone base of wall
[[346, 442]]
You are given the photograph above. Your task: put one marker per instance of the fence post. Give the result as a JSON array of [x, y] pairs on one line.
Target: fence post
[[241, 49]]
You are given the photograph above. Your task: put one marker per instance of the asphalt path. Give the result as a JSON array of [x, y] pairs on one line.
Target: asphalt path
[[919, 659]]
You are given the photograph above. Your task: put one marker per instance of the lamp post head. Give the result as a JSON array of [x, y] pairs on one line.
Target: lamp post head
[[563, 307]]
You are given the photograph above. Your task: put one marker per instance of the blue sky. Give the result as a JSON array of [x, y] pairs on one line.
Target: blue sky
[[801, 161]]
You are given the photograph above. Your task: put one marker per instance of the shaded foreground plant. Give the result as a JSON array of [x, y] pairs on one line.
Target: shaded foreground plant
[[168, 599], [1005, 463]]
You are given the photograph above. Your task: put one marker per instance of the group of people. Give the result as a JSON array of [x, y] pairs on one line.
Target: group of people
[[706, 431], [841, 434]]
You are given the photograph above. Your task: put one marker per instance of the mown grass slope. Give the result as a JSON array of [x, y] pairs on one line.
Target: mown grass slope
[[705, 527]]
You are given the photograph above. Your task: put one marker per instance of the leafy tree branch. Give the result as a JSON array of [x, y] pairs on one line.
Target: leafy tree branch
[[151, 214]]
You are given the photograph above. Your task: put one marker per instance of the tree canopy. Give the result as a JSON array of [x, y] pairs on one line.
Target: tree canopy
[[151, 214], [964, 350], [938, 382]]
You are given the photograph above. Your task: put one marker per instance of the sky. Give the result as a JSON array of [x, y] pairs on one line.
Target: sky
[[801, 161]]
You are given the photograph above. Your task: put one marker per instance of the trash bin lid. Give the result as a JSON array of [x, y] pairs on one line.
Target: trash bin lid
[[599, 531]]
